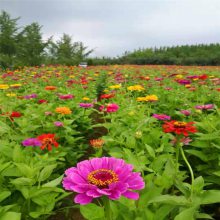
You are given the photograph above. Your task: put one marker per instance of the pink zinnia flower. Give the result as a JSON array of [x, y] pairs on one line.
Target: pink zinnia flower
[[205, 107], [185, 112], [58, 124], [109, 107], [85, 105], [161, 117], [106, 176], [67, 96], [112, 107]]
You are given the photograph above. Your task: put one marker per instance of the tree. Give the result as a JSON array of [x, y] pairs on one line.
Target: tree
[[30, 45], [8, 33]]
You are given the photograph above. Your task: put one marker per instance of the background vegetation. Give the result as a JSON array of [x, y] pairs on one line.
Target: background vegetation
[[26, 47]]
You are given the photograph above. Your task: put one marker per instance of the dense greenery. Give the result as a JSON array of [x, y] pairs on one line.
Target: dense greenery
[[200, 54], [26, 47]]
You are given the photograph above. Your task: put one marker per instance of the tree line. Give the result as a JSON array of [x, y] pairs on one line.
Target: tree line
[[201, 54], [25, 47]]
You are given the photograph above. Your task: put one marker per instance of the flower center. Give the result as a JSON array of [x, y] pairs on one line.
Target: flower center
[[179, 124], [102, 177], [47, 141]]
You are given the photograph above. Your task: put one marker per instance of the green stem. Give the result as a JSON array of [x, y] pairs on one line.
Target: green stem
[[107, 208], [190, 169], [177, 157]]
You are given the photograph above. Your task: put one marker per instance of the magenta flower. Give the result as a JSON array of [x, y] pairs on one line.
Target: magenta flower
[[109, 107], [86, 105], [67, 96], [204, 107], [31, 142], [58, 124], [184, 81], [112, 107], [161, 117], [106, 176], [31, 96], [185, 112]]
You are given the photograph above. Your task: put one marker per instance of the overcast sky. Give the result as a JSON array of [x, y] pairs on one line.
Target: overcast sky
[[114, 26]]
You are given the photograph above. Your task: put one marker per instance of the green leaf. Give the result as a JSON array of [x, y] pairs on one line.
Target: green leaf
[[198, 184], [210, 197], [172, 200], [18, 155], [53, 183], [4, 195], [150, 150], [23, 181], [198, 154], [92, 211], [25, 169], [11, 216], [187, 214], [203, 216], [46, 172]]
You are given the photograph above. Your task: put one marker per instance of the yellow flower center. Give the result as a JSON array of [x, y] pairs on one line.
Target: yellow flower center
[[102, 177], [179, 124]]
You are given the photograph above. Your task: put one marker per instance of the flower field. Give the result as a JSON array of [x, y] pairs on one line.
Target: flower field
[[111, 142]]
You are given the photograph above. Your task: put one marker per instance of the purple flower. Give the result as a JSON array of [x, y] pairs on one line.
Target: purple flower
[[106, 176], [58, 124], [86, 105], [31, 96], [31, 142], [204, 107], [161, 117], [186, 112]]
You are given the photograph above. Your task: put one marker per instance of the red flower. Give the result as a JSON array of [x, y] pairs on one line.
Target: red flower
[[41, 101], [47, 140], [107, 96], [203, 77], [15, 115], [179, 127]]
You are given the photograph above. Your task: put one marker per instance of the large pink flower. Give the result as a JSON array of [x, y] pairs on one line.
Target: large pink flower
[[106, 176]]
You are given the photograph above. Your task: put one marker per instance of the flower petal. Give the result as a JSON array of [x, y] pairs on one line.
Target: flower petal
[[82, 199], [131, 195]]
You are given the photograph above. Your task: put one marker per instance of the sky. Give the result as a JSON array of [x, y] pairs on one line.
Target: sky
[[111, 27]]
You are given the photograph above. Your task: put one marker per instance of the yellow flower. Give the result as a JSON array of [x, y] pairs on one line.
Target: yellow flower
[[72, 76], [85, 98], [136, 88], [15, 85], [148, 98], [11, 94], [179, 76], [142, 99], [115, 86], [151, 98], [63, 110], [4, 86], [106, 90]]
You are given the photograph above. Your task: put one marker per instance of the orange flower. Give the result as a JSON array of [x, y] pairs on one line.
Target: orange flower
[[96, 143], [47, 140], [50, 88], [63, 110]]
